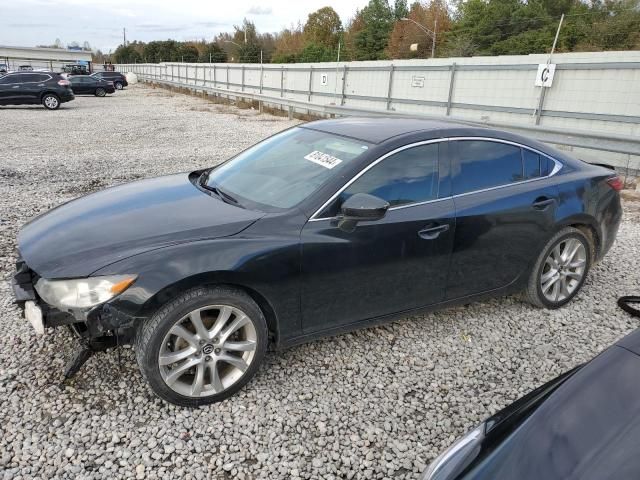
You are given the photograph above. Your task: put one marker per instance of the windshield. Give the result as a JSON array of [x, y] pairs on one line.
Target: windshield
[[285, 169]]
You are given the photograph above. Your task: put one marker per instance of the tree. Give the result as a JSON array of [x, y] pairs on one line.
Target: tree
[[212, 52], [323, 28], [188, 53], [400, 9], [127, 54], [435, 17], [288, 45], [371, 41]]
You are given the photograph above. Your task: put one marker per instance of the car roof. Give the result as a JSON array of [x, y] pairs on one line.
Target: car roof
[[380, 129]]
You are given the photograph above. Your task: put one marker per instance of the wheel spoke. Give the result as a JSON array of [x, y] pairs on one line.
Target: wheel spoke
[[575, 275], [177, 372], [223, 317], [241, 346], [239, 322], [564, 288], [173, 357], [577, 264], [547, 276], [216, 383], [555, 293], [551, 282], [196, 320], [198, 381], [237, 362], [574, 250], [181, 332]]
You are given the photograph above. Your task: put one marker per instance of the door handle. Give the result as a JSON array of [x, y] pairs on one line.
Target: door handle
[[431, 233], [542, 203], [16, 86]]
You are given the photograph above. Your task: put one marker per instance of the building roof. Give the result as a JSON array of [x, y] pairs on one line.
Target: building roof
[[36, 53]]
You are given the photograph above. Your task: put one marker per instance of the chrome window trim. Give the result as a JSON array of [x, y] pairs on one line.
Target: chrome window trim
[[557, 167]]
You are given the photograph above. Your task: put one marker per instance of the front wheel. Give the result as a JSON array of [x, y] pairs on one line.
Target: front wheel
[[561, 269], [203, 346], [118, 85], [100, 92], [51, 101]]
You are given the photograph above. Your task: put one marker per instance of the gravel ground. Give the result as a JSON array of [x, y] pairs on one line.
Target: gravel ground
[[378, 403]]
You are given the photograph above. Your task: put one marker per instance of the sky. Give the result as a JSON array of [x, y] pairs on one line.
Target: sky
[[28, 23]]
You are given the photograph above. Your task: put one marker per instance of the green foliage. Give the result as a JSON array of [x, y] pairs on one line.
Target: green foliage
[[127, 54], [323, 27], [371, 41], [314, 52], [212, 52], [400, 9], [188, 53]]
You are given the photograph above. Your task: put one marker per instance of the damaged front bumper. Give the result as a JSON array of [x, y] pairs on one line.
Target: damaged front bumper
[[98, 326]]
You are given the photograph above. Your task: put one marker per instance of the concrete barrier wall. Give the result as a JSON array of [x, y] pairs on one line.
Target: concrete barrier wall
[[591, 92]]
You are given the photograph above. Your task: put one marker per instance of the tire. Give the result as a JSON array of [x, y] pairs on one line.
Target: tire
[[169, 337], [118, 85], [556, 279], [100, 92], [50, 101]]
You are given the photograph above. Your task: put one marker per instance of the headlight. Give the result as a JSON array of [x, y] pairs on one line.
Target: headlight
[[82, 292], [457, 457]]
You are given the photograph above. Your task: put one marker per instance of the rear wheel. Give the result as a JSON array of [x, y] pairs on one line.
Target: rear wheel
[[118, 85], [561, 269], [100, 92], [203, 346], [51, 101]]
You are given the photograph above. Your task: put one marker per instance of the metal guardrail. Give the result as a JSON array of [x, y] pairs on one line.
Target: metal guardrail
[[599, 141]]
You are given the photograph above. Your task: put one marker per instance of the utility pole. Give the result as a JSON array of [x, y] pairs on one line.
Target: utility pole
[[124, 37], [260, 56], [435, 34], [555, 40]]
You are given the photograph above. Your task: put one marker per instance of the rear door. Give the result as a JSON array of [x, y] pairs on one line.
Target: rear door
[[33, 85], [505, 204], [387, 266], [78, 85]]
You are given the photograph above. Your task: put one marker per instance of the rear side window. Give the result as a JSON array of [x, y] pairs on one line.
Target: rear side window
[[535, 165], [409, 176], [481, 164]]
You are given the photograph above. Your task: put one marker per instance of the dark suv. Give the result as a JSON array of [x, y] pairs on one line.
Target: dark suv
[[24, 88], [118, 79]]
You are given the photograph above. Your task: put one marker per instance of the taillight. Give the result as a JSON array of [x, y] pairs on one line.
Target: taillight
[[616, 183], [64, 83]]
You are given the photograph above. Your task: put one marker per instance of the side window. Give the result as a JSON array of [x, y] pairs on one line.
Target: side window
[[409, 176], [40, 77], [535, 165], [481, 164]]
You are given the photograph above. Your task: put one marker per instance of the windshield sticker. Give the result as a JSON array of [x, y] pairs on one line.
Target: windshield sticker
[[323, 159]]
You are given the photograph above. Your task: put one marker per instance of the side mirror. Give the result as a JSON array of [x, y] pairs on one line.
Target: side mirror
[[361, 207]]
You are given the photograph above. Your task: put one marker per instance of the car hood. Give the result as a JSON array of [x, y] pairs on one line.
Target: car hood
[[91, 232]]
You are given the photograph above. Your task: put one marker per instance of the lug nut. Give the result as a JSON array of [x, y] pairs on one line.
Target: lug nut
[[215, 340], [217, 350], [202, 342], [207, 358]]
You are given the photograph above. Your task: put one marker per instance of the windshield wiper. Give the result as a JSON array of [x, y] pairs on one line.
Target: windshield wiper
[[222, 195]]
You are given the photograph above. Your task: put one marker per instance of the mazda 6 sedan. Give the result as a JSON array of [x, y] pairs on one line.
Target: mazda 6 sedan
[[323, 228]]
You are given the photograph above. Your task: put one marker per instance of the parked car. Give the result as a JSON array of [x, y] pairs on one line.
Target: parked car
[[75, 69], [86, 85], [583, 425], [119, 80], [24, 88], [4, 68], [327, 227], [25, 68]]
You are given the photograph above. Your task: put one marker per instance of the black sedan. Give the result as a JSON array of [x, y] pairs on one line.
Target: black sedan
[[327, 227], [87, 85], [27, 88], [583, 425]]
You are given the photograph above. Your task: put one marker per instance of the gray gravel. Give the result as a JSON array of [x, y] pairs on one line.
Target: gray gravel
[[379, 403]]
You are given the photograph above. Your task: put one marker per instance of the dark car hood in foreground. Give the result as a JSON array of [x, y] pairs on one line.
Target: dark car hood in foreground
[[587, 429], [81, 236]]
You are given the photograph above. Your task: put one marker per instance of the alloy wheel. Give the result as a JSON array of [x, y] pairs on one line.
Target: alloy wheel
[[51, 102], [563, 270], [207, 351]]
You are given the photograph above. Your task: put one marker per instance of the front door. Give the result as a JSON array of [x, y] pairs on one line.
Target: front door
[[385, 266]]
